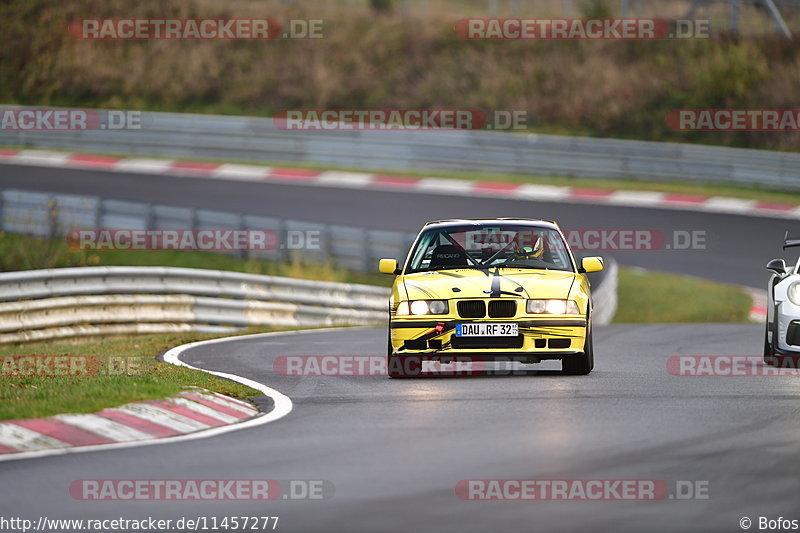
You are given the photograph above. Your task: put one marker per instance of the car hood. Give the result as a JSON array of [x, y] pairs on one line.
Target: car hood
[[492, 283]]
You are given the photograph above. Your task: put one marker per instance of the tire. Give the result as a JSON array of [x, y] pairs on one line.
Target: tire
[[771, 356], [394, 364], [769, 353], [581, 364], [391, 369]]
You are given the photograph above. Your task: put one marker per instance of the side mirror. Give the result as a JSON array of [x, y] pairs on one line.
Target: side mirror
[[778, 266], [591, 264], [388, 266]]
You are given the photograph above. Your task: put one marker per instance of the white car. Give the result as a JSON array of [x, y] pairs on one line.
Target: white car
[[782, 334]]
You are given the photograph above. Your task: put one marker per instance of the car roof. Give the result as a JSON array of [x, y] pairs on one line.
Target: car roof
[[549, 224]]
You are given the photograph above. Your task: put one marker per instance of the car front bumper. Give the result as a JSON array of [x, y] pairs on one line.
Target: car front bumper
[[538, 339]]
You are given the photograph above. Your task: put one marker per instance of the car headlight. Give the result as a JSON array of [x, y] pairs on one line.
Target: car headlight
[[794, 293], [438, 307], [552, 307], [423, 307], [556, 307], [419, 307]]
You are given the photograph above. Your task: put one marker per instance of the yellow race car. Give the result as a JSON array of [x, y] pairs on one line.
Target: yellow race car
[[490, 290]]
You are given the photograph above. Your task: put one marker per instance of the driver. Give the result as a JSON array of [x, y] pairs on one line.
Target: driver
[[533, 252]]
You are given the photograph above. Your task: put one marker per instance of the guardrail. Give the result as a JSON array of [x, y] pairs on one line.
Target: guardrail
[[259, 140], [604, 292], [39, 305]]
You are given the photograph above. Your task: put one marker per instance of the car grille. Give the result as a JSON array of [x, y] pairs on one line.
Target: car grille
[[502, 308], [472, 309], [461, 343]]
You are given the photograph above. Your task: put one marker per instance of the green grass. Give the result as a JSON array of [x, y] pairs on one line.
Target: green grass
[[23, 252], [646, 297], [143, 377]]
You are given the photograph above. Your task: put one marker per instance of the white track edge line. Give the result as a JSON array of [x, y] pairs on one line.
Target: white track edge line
[[283, 404]]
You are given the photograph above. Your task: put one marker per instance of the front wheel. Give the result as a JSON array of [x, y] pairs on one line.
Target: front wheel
[[769, 354], [391, 367], [394, 364], [581, 364]]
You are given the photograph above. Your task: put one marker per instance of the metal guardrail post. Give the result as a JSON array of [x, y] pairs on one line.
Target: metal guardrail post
[[325, 245], [241, 254], [283, 253], [52, 218], [365, 251]]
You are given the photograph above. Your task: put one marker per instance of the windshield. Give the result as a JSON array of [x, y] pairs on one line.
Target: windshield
[[490, 246]]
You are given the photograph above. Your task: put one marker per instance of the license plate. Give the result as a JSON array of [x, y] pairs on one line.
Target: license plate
[[487, 329]]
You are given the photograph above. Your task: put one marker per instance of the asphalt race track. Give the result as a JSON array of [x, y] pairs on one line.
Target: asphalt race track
[[736, 249], [395, 449]]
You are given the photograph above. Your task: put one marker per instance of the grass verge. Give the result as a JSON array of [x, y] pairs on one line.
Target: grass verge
[[655, 297], [23, 252], [121, 370]]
